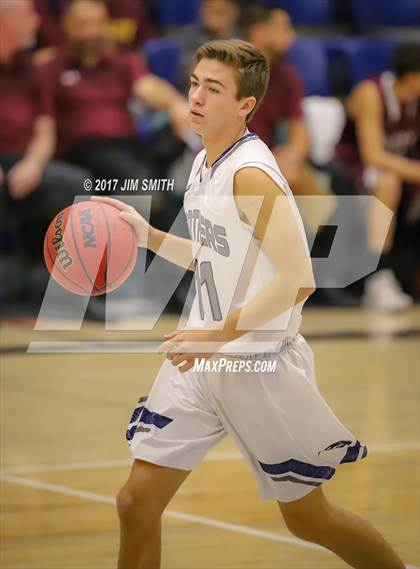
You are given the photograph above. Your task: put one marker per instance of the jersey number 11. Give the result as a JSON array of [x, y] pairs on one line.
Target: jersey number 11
[[204, 275]]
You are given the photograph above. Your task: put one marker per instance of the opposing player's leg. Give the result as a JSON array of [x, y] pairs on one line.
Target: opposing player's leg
[[140, 503], [313, 518], [388, 189], [382, 289]]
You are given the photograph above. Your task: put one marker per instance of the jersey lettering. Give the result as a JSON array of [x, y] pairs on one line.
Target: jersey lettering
[[204, 232]]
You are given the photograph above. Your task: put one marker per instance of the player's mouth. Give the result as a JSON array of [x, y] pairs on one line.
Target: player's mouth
[[196, 114]]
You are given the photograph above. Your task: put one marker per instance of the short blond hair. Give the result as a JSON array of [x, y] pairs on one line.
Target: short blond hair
[[252, 68]]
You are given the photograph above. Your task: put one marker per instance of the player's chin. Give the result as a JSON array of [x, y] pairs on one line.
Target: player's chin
[[197, 128]]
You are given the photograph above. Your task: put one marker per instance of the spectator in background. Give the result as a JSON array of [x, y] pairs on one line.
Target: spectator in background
[[217, 20], [91, 84], [129, 23], [32, 187], [279, 119], [379, 147]]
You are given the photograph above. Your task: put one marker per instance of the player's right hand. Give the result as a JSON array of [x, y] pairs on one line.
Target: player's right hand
[[131, 216]]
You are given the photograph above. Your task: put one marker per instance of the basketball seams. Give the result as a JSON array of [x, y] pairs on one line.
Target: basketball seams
[[76, 248], [108, 248], [133, 250]]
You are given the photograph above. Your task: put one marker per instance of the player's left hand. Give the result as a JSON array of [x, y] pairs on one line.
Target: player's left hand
[[185, 346], [24, 177]]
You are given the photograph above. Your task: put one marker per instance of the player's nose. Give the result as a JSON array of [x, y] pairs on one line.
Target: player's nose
[[197, 96]]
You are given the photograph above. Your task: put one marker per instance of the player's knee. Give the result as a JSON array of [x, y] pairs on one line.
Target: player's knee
[[302, 528], [136, 507], [388, 189], [126, 504], [306, 526], [390, 180]]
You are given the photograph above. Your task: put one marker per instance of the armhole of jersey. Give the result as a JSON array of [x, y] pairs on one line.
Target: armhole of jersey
[[275, 175]]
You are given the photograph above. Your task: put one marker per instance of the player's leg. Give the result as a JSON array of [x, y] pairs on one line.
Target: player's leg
[[294, 443], [313, 518], [140, 504], [382, 289], [387, 188], [174, 427]]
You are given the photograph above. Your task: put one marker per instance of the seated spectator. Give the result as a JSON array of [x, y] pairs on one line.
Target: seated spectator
[[91, 85], [33, 188], [129, 22], [279, 119], [378, 147], [217, 20]]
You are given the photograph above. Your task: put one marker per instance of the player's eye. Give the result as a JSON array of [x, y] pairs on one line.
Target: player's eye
[[213, 90], [193, 83]]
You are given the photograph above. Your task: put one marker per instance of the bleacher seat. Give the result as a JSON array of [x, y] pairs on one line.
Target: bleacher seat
[[361, 58], [306, 12], [162, 55], [176, 12], [386, 12], [309, 57]]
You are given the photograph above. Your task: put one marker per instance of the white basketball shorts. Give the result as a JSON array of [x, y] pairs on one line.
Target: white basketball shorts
[[285, 430]]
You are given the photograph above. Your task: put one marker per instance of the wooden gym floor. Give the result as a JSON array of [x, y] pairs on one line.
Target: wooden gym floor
[[64, 457]]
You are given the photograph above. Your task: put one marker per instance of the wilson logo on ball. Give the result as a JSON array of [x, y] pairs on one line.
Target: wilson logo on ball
[[88, 229], [62, 254]]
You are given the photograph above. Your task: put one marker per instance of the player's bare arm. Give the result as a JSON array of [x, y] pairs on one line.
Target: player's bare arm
[[26, 174], [175, 249], [365, 106], [268, 210], [277, 229], [159, 94]]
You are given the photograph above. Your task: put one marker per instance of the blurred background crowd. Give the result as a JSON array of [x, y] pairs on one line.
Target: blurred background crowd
[[96, 89]]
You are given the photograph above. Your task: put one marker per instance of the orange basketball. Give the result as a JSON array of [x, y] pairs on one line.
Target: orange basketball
[[89, 249]]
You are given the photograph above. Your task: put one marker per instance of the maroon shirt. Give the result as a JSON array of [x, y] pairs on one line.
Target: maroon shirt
[[129, 19], [282, 102], [401, 127], [22, 100], [92, 103]]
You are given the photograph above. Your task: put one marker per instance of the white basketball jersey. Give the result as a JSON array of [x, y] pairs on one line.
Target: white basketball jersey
[[231, 267]]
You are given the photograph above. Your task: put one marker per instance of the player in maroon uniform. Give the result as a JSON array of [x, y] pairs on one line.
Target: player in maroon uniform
[[379, 144]]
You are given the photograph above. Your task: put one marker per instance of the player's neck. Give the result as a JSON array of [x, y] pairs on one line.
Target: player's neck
[[216, 146]]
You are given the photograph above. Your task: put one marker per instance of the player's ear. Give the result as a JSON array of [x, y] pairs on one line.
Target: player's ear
[[247, 104]]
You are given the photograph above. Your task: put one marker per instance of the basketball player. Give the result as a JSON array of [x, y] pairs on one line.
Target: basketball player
[[253, 274], [380, 147]]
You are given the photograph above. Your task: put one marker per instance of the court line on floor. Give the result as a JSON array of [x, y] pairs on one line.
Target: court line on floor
[[209, 522], [101, 498], [212, 456]]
